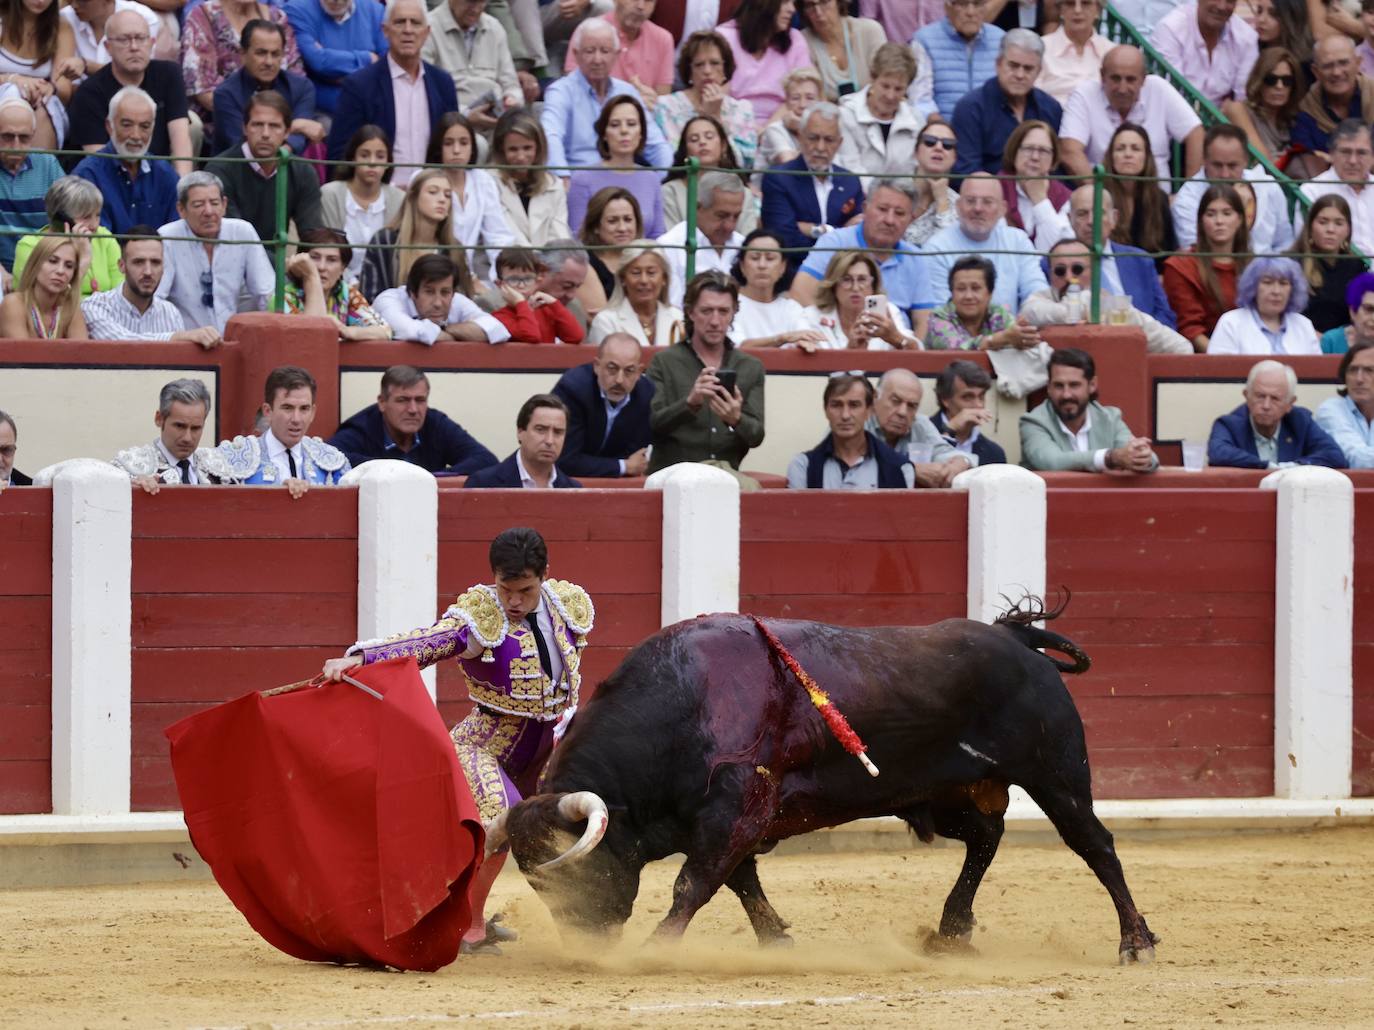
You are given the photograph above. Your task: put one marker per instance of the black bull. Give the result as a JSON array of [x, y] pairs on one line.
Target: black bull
[[703, 743]]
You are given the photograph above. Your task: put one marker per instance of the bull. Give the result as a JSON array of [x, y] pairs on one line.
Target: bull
[[702, 743]]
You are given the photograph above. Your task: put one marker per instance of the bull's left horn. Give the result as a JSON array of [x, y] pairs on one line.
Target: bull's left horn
[[582, 804], [496, 833]]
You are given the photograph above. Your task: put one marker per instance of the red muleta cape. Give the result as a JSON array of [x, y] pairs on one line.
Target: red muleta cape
[[341, 826]]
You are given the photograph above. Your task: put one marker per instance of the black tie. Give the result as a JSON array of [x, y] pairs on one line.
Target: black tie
[[291, 460], [533, 622], [185, 465]]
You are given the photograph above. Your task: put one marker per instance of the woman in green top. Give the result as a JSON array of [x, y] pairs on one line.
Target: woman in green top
[[73, 206]]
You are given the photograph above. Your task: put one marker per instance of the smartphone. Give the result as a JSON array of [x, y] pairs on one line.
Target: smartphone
[[728, 378], [875, 303]]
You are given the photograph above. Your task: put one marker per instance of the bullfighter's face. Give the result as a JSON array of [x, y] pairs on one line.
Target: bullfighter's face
[[519, 595]]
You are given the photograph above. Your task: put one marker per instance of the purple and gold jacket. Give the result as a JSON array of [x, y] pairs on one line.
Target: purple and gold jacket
[[506, 677]]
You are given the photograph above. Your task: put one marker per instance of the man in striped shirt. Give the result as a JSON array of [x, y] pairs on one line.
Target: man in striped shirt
[[133, 311], [24, 176]]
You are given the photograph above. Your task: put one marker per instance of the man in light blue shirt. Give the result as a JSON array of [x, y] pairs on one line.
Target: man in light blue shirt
[[906, 282], [981, 230], [573, 103]]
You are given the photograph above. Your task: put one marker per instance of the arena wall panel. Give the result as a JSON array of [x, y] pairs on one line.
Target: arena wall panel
[[25, 651], [1173, 599], [233, 591], [609, 542], [1362, 773]]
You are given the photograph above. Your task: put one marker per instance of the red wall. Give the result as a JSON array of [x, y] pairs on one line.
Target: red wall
[[1364, 644], [233, 591], [1173, 598], [25, 651], [610, 543]]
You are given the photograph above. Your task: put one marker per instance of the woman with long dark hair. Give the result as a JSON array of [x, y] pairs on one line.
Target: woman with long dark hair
[[1142, 207], [361, 199], [1201, 284], [1272, 94], [1328, 263], [477, 216], [766, 48], [613, 222], [38, 57], [622, 129], [704, 139]]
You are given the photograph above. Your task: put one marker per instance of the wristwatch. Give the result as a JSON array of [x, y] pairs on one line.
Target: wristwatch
[[817, 231]]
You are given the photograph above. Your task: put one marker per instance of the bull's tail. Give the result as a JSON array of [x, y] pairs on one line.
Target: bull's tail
[[1020, 618]]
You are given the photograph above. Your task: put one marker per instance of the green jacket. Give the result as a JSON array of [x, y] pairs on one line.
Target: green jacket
[[678, 434], [1045, 448]]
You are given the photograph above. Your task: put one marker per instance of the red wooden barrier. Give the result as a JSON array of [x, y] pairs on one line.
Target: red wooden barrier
[[1173, 598], [25, 651], [1363, 772], [610, 543], [233, 591]]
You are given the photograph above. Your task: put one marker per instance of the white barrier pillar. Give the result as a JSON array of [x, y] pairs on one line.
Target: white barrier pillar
[[1313, 620], [700, 540], [92, 525], [398, 549], [1006, 536]]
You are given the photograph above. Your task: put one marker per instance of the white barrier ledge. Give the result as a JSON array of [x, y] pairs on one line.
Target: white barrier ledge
[[92, 522], [700, 540], [398, 549], [1314, 565], [1006, 536]]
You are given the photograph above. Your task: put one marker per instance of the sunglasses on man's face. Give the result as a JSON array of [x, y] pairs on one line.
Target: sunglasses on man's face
[[938, 141], [1280, 80], [1076, 269]]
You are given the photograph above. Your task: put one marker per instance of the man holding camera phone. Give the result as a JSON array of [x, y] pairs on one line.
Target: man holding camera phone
[[708, 395]]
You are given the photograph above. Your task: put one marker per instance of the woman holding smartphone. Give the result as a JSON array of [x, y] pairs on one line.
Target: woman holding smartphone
[[851, 311]]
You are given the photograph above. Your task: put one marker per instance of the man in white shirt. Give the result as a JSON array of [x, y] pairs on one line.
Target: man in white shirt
[[133, 310], [720, 199], [427, 309], [176, 456], [1124, 93], [1349, 177], [1224, 157], [208, 282]]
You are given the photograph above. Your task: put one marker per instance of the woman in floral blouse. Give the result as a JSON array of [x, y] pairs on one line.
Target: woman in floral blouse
[[210, 50], [315, 285], [706, 64], [969, 320]]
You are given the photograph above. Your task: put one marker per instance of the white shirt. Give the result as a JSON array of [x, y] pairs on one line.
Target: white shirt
[[276, 453], [479, 217], [112, 316], [828, 323], [541, 616], [1111, 275], [1272, 231], [360, 225], [1361, 203], [241, 279], [708, 258], [88, 48], [398, 310], [1240, 331], [823, 186], [1079, 440], [412, 122], [192, 478], [1044, 225], [1064, 69], [1160, 110], [528, 482], [754, 320]]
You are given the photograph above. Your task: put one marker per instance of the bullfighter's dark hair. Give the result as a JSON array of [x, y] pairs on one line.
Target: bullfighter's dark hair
[[841, 382], [539, 400], [970, 372], [517, 551], [1072, 357], [285, 379]]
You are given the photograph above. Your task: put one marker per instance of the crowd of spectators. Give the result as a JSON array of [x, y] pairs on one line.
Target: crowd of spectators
[[504, 175]]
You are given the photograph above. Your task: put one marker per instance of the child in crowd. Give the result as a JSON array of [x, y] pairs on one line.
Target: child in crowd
[[531, 315]]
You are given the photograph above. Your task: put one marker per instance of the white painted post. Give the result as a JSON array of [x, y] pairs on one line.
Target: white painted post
[[1313, 620], [1006, 536], [92, 525], [700, 540], [398, 549]]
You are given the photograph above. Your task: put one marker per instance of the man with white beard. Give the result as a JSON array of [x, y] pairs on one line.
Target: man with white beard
[[137, 191]]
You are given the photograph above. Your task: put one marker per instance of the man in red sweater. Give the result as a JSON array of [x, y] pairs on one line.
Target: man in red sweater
[[531, 315]]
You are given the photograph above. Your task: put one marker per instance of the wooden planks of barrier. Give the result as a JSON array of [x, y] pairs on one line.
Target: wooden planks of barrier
[[1363, 643], [25, 651]]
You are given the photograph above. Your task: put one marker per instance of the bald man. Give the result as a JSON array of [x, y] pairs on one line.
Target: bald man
[[982, 230], [896, 422], [608, 412]]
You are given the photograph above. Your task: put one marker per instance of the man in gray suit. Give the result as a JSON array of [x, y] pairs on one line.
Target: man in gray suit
[[1072, 432]]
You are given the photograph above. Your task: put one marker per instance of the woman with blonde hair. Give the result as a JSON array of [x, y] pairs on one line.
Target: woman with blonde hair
[[44, 304], [534, 201], [841, 311], [639, 305], [478, 217], [424, 226]]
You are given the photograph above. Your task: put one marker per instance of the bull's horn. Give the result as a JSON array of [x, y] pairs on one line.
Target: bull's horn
[[496, 834], [582, 804]]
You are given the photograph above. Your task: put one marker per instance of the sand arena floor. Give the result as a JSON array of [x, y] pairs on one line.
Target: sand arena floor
[[1271, 930]]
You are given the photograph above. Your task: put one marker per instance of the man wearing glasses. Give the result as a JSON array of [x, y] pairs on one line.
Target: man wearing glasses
[[211, 277], [131, 64], [24, 176], [963, 51]]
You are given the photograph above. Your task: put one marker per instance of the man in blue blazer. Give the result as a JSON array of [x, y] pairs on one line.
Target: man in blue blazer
[[1267, 431], [368, 97], [608, 412], [1126, 271], [791, 207], [541, 427]]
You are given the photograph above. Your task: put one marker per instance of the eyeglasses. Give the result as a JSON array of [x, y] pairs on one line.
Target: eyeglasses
[[938, 141], [1077, 268], [1037, 150], [519, 281], [207, 290], [1279, 80], [861, 282], [129, 40]]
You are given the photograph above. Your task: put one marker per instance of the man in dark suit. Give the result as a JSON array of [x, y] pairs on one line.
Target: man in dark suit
[[1267, 431], [402, 425], [960, 390], [1126, 271], [397, 84], [608, 412], [791, 203], [540, 427], [9, 443], [263, 44]]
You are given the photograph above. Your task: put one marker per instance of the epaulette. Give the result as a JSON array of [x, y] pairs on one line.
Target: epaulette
[[242, 457], [138, 461], [573, 603], [209, 462], [481, 611], [326, 457]]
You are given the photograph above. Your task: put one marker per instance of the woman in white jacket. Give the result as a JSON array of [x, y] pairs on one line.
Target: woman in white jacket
[[534, 201], [865, 149], [1267, 318], [639, 304]]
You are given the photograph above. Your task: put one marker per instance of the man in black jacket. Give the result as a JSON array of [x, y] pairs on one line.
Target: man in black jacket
[[540, 427], [403, 426], [9, 443], [608, 412], [960, 390]]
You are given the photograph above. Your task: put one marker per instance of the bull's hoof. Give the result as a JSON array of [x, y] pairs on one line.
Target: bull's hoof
[[940, 944], [779, 940], [1138, 952]]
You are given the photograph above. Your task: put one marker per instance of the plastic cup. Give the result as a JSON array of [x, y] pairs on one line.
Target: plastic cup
[[1194, 455]]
